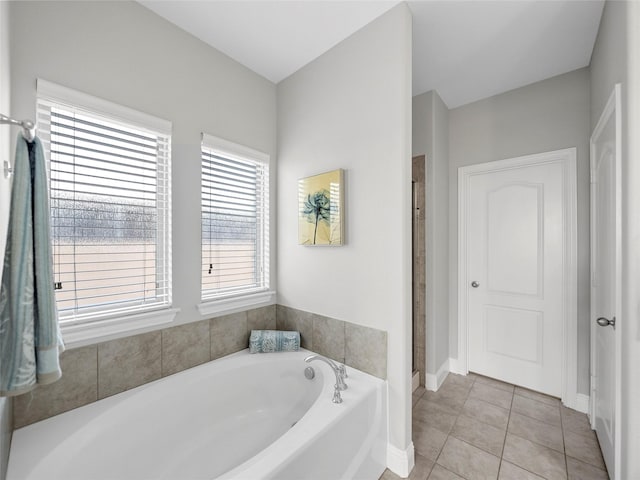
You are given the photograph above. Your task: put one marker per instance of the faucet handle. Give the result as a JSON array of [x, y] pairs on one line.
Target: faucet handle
[[340, 384], [341, 374], [337, 398]]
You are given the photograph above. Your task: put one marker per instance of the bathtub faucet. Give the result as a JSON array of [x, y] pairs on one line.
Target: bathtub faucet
[[339, 371]]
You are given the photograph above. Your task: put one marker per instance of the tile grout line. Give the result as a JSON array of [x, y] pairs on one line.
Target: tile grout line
[[460, 412], [564, 448], [483, 423], [162, 334], [430, 470], [449, 433], [479, 421], [506, 432], [534, 418], [532, 441], [97, 372], [501, 458], [567, 456], [539, 444]]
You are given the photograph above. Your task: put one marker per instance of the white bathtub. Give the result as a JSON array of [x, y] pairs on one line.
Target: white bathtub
[[241, 417]]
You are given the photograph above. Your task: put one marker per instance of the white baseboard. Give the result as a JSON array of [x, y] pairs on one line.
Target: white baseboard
[[415, 381], [579, 402], [582, 402], [454, 367], [435, 381], [400, 462]]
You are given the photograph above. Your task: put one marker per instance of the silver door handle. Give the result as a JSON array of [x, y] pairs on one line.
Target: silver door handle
[[605, 322], [475, 284]]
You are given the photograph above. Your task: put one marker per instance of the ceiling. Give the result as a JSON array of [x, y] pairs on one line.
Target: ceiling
[[465, 50]]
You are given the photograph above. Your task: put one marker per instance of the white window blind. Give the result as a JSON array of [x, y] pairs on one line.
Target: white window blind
[[110, 208], [235, 219]]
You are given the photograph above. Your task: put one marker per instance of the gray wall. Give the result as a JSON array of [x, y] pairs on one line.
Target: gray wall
[[431, 138], [351, 108], [548, 115], [422, 124], [5, 133], [124, 53], [442, 246], [609, 58]]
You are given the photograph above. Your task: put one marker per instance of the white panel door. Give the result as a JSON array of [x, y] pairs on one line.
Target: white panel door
[[605, 280], [516, 246]]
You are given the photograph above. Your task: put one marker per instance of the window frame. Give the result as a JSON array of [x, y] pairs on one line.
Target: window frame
[[260, 296], [91, 327]]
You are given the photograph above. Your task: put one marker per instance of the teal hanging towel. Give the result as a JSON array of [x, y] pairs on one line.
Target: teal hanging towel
[[30, 340]]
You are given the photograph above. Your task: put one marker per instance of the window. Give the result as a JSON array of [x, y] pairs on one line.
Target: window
[[109, 170], [235, 220]]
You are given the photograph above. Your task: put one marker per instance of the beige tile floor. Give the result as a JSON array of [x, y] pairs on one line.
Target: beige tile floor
[[475, 427]]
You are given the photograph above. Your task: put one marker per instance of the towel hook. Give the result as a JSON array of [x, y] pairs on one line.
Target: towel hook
[[8, 171], [28, 133]]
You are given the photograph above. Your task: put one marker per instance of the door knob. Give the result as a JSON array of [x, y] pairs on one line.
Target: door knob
[[475, 284], [605, 322]]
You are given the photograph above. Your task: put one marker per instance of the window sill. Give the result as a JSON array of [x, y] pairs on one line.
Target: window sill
[[82, 334], [234, 304]]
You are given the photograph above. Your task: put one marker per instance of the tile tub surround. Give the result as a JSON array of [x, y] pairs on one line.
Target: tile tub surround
[[97, 371], [474, 427], [360, 347]]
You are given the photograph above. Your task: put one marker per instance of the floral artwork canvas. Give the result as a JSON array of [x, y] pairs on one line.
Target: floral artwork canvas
[[321, 209]]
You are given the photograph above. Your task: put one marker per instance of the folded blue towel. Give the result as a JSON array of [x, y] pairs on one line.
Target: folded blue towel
[[266, 341]]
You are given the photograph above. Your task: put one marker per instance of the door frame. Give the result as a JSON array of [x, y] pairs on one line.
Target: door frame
[[612, 108], [566, 158]]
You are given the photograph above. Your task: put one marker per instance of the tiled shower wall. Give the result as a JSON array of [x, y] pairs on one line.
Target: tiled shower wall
[[419, 274], [98, 371]]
